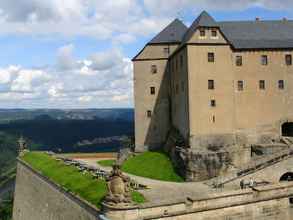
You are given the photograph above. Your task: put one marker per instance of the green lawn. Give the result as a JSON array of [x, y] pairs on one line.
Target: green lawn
[[70, 178], [106, 163], [154, 165]]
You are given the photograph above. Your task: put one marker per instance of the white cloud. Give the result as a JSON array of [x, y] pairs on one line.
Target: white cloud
[[99, 80]]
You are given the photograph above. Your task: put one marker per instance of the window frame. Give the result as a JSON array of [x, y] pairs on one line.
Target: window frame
[[154, 69], [167, 51], [264, 60], [202, 32], [262, 84], [281, 84], [152, 90], [211, 57], [214, 31], [288, 59], [149, 113], [240, 85], [239, 60], [211, 84], [213, 103]]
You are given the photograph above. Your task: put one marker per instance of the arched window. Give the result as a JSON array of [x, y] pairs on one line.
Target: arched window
[[287, 177]]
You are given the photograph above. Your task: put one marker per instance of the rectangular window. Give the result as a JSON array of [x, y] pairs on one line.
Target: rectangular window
[[214, 119], [214, 33], [182, 86], [176, 65], [211, 84], [240, 85], [238, 60], [177, 88], [281, 84], [166, 51], [213, 103], [154, 69], [202, 32], [211, 57], [149, 114], [264, 60], [288, 58], [153, 90], [181, 61], [262, 84]]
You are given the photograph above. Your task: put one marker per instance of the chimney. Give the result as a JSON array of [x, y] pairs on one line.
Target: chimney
[[257, 18]]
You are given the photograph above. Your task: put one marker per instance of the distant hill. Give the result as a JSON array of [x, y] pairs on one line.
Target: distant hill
[[6, 115]]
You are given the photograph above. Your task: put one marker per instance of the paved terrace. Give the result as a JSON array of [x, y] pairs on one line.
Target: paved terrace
[[163, 192]]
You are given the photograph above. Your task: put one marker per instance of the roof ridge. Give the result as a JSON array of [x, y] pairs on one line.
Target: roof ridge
[[173, 32]]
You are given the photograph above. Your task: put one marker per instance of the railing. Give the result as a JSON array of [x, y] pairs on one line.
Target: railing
[[252, 167]]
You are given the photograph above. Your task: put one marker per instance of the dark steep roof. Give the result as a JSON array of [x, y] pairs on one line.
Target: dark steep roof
[[173, 33], [259, 34], [203, 20]]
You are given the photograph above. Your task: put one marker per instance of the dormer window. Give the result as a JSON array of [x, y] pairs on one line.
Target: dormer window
[[214, 33], [202, 32]]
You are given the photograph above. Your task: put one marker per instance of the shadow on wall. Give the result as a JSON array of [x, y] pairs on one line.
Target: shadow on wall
[[160, 116]]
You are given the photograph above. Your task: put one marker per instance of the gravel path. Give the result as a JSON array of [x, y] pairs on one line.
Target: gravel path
[[162, 191]]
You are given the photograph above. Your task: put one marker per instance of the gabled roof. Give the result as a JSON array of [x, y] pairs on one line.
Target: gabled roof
[[259, 34], [203, 20], [173, 33]]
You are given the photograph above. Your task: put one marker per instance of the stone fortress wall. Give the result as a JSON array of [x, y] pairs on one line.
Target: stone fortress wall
[[37, 198]]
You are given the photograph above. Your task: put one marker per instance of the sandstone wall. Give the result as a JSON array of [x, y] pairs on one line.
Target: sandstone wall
[[37, 198]]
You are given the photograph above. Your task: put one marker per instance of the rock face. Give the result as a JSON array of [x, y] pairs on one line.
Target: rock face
[[200, 166], [196, 165]]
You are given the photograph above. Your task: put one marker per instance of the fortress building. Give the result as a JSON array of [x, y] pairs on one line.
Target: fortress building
[[217, 83]]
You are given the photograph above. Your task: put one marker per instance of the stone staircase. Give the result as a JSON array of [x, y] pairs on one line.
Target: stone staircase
[[254, 166]]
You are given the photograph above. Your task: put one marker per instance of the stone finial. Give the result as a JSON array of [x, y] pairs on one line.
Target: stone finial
[[118, 189], [21, 145]]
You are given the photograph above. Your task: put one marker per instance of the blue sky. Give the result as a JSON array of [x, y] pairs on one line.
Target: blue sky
[[59, 54]]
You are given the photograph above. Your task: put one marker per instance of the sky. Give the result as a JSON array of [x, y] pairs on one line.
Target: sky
[[77, 53]]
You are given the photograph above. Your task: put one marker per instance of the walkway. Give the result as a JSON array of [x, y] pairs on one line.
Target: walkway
[[162, 191]]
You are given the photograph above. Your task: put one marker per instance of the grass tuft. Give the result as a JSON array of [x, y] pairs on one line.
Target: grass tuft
[[106, 163], [84, 185], [154, 165]]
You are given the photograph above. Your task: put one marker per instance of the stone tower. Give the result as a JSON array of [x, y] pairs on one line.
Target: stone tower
[[151, 86]]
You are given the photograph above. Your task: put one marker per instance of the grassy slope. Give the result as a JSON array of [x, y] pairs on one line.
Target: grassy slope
[[154, 165], [106, 163], [84, 185]]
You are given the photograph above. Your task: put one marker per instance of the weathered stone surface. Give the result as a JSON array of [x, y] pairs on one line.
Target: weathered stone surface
[[38, 199]]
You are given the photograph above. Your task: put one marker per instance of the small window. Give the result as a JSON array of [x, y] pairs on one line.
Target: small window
[[211, 84], [211, 57], [288, 58], [202, 32], [213, 103], [166, 51], [154, 69], [281, 84], [149, 114], [264, 60], [182, 86], [153, 90], [240, 85], [214, 33], [262, 84], [177, 88], [176, 64], [214, 119], [181, 61], [238, 60]]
